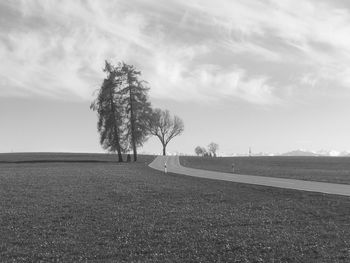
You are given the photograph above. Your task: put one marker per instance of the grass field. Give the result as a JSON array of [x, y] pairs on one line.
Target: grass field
[[56, 157], [322, 169], [110, 212]]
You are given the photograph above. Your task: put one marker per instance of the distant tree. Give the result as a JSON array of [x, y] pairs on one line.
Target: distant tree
[[212, 148], [137, 107], [110, 111], [198, 150], [165, 127], [205, 152]]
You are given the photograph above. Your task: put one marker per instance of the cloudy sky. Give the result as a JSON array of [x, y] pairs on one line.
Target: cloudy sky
[[270, 74]]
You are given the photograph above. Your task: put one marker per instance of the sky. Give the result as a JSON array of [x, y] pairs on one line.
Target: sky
[[273, 75]]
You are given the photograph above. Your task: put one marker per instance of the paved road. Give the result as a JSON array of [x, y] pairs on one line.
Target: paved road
[[174, 166]]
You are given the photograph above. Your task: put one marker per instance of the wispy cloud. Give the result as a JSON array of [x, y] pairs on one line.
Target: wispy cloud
[[199, 50]]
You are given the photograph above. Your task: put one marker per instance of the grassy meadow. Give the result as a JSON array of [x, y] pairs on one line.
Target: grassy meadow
[[59, 157], [102, 211], [322, 169]]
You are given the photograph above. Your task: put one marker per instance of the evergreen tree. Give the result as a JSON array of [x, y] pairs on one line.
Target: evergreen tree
[[108, 105], [137, 107]]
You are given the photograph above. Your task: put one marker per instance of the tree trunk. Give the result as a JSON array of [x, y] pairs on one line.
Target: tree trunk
[[164, 150], [120, 156], [132, 122], [116, 133], [135, 152]]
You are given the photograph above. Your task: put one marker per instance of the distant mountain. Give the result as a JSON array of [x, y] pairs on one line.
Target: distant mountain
[[345, 153], [300, 153], [330, 153]]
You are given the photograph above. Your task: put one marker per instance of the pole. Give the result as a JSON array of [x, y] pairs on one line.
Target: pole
[[233, 168]]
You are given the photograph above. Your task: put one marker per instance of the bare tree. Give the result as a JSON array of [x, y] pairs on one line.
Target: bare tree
[[212, 148], [165, 127]]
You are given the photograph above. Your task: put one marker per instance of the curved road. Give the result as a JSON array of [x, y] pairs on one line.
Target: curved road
[[174, 166]]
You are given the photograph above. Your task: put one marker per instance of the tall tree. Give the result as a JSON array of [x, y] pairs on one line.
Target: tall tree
[[110, 112], [165, 127], [137, 106]]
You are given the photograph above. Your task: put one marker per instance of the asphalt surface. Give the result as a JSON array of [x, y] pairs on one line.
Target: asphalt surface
[[173, 166]]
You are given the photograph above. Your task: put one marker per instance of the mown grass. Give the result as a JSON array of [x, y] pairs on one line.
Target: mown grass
[[109, 212], [322, 169], [57, 157]]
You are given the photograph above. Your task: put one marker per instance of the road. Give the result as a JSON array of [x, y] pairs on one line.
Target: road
[[174, 166]]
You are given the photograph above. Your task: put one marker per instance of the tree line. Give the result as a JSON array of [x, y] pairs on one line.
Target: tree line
[[210, 152], [126, 118]]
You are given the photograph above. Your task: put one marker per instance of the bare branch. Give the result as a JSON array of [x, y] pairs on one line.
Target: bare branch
[[164, 126]]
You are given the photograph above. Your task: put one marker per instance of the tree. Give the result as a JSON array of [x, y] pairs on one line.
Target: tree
[[164, 126], [198, 150], [123, 109], [137, 107], [212, 148], [109, 109], [205, 152]]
